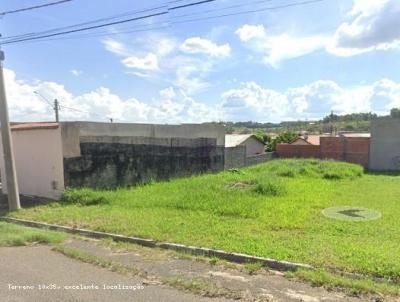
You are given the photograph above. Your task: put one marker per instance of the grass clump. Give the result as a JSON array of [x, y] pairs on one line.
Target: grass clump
[[15, 235], [269, 187], [326, 169], [83, 197]]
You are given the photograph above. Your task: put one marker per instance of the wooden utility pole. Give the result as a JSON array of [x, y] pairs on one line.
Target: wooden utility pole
[[9, 163]]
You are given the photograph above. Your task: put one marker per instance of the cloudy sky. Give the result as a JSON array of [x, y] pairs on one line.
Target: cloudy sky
[[230, 60]]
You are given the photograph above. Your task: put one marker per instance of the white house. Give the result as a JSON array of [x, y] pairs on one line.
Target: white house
[[252, 144]]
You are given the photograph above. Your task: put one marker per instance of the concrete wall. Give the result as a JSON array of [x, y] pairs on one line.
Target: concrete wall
[[260, 158], [72, 131], [111, 155], [385, 144], [235, 157], [39, 162], [254, 147]]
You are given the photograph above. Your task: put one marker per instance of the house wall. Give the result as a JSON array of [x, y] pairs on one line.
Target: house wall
[[39, 162], [111, 155], [385, 144], [254, 147]]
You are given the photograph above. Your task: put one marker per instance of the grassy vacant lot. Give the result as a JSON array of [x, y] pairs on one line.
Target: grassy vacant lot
[[14, 235], [271, 210]]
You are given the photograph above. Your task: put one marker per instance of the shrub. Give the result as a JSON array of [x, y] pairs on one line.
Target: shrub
[[84, 197]]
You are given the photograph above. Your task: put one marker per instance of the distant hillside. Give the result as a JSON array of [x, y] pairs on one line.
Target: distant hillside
[[331, 123]]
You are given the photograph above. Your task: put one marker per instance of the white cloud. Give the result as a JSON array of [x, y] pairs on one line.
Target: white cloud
[[375, 25], [315, 100], [146, 63], [158, 56], [115, 47], [252, 101], [76, 72], [249, 101], [196, 45], [172, 106], [276, 48], [372, 25], [248, 32]]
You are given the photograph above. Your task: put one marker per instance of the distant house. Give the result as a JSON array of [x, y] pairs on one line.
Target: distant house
[[307, 140], [253, 145]]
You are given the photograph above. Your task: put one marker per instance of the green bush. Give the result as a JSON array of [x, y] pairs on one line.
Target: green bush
[[84, 197]]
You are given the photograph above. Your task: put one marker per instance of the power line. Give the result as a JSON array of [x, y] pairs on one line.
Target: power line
[[164, 24], [251, 11], [191, 4], [33, 7], [89, 22], [186, 21], [41, 35], [85, 28], [59, 106]]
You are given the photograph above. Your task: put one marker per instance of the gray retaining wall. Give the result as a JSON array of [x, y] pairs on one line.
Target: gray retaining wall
[[111, 155], [384, 152], [235, 157]]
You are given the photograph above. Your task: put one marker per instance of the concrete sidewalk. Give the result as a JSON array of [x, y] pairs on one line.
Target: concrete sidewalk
[[205, 277], [40, 267]]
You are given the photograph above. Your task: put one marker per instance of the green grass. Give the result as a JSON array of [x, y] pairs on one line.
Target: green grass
[[271, 210], [15, 235], [354, 286]]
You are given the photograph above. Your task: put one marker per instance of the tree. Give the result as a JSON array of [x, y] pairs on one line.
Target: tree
[[285, 137], [395, 112]]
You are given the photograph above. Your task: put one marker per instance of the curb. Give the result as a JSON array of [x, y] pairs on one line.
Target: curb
[[83, 232], [199, 251]]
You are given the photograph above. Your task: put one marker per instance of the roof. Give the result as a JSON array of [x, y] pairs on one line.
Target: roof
[[313, 139], [356, 134], [310, 139], [34, 126], [233, 140]]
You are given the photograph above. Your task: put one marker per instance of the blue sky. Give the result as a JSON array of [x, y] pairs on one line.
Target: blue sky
[[291, 63]]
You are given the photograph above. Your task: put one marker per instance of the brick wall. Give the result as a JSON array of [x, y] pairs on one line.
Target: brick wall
[[305, 151], [350, 149]]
